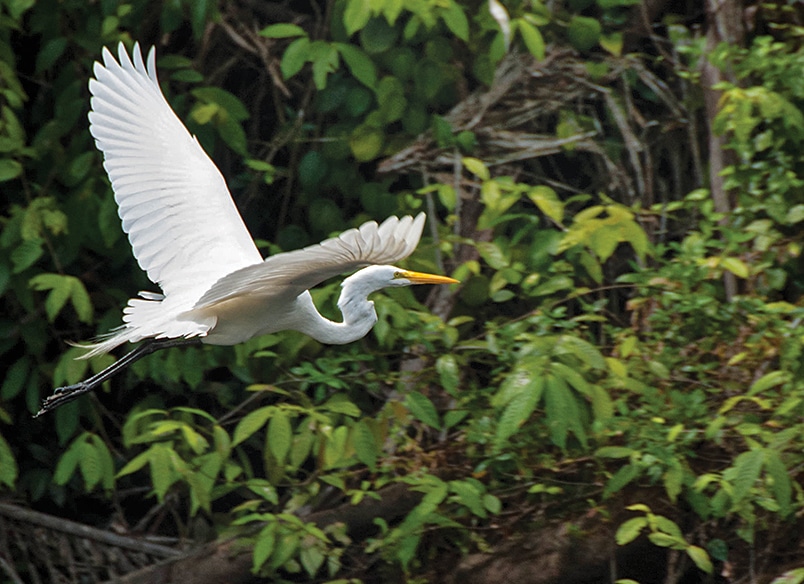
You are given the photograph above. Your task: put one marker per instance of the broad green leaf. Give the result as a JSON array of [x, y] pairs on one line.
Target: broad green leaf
[[311, 558], [665, 540], [340, 404], [90, 465], [8, 466], [9, 169], [366, 142], [673, 479], [700, 558], [518, 410], [562, 412], [264, 546], [365, 444], [251, 423], [584, 32], [547, 201], [79, 297], [67, 464], [469, 496], [162, 474], [455, 19], [630, 530], [747, 467], [532, 37], [448, 372], [767, 381], [295, 56], [736, 266], [781, 486], [622, 477], [476, 167], [26, 254], [356, 15], [422, 409], [795, 576], [359, 64], [280, 435], [15, 378], [583, 350], [614, 452], [282, 30]]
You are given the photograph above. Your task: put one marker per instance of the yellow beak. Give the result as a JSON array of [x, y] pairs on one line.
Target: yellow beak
[[421, 278]]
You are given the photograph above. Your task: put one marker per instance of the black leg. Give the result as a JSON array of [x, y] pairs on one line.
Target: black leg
[[62, 395]]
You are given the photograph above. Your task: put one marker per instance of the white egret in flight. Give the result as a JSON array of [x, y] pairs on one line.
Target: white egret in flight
[[187, 235]]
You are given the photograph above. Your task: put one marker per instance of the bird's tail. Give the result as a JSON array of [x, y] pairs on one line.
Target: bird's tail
[[152, 316]]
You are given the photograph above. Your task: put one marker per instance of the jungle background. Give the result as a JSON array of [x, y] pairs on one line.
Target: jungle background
[[614, 392]]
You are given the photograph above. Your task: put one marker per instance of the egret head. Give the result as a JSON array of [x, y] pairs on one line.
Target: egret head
[[373, 278]]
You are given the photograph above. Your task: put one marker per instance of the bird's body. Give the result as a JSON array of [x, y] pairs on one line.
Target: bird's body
[[187, 235]]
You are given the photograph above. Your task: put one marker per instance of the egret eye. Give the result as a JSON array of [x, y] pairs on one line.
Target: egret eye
[[398, 275]]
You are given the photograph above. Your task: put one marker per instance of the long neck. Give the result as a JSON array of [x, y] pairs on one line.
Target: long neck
[[358, 313]]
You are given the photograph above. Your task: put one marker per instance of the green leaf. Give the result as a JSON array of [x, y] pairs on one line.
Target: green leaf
[[476, 167], [622, 477], [548, 203], [448, 372], [356, 15], [8, 466], [532, 37], [295, 56], [747, 467], [15, 378], [630, 530], [614, 452], [673, 479], [365, 444], [282, 30], [280, 435], [263, 547], [518, 410], [251, 423], [340, 404], [67, 463], [767, 381], [736, 266], [469, 496], [701, 558], [162, 471], [227, 101], [26, 254], [366, 142], [79, 297], [422, 409], [781, 486], [583, 350], [562, 412], [666, 540], [9, 169], [584, 32], [456, 21], [90, 464], [359, 64]]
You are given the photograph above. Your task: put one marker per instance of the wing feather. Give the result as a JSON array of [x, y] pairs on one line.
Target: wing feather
[[289, 274], [183, 226]]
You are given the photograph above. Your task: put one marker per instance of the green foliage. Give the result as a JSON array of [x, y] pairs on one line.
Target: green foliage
[[662, 532], [583, 342]]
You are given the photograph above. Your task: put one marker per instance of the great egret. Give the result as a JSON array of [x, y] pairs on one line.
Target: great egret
[[187, 235]]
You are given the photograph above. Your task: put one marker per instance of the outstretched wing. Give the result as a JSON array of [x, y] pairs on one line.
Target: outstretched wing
[[183, 226], [289, 274]]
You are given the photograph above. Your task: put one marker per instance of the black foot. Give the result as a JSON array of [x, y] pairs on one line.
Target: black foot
[[62, 395]]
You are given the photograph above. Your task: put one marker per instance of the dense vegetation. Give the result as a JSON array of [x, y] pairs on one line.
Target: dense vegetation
[[620, 192]]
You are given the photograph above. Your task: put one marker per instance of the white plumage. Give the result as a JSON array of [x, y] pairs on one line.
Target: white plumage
[[187, 235]]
